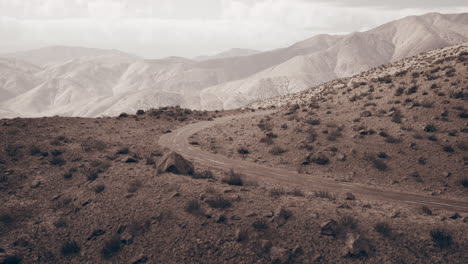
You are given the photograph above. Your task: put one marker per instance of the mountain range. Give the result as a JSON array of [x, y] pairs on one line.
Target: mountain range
[[72, 81]]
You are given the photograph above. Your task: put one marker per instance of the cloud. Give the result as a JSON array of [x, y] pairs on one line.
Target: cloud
[[159, 28]]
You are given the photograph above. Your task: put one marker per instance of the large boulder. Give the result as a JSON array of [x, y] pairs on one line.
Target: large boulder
[[356, 246], [329, 228], [175, 163]]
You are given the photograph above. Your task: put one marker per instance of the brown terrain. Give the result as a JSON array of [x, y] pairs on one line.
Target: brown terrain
[[369, 169]]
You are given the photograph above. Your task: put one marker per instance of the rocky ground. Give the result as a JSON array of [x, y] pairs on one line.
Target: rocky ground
[[76, 190]]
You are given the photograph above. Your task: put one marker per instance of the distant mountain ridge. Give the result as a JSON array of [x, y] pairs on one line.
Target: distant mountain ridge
[[111, 82], [236, 52]]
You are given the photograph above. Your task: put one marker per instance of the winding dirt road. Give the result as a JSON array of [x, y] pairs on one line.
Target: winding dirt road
[[178, 141]]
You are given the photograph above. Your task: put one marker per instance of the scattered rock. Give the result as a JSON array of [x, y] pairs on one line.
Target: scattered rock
[[329, 228], [356, 246], [280, 255], [241, 235], [344, 206], [341, 157], [140, 259], [265, 245], [130, 160], [175, 163], [96, 233], [35, 183], [220, 218]]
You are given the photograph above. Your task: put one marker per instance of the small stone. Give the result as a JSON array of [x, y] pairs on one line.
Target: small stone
[[356, 246], [35, 184], [175, 194], [447, 174], [344, 206], [314, 216], [241, 235], [140, 259], [266, 245], [280, 255], [235, 217], [220, 218], [329, 228], [130, 160]]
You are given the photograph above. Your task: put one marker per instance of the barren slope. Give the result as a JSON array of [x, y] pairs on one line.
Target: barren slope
[[397, 126]]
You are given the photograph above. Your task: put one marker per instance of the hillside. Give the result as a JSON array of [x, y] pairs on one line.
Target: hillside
[[400, 126], [130, 83], [101, 190]]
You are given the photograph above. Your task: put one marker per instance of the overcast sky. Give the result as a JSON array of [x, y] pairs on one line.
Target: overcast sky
[[160, 28]]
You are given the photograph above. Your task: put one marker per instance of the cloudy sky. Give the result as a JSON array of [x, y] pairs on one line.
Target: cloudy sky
[[160, 28]]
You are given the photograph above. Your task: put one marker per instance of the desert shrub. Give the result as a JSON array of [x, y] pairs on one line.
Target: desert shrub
[[57, 161], [399, 91], [193, 207], [7, 218], [13, 259], [426, 210], [348, 222], [385, 79], [413, 89], [219, 202], [204, 174], [415, 74], [260, 224], [427, 104], [464, 182], [267, 140], [134, 186], [442, 238], [123, 151], [448, 149], [93, 144], [396, 117], [265, 125], [285, 214], [313, 122], [99, 188], [430, 128], [12, 150], [382, 155], [3, 178], [277, 150], [296, 192], [376, 163], [392, 140], [271, 135], [383, 228], [277, 191], [234, 178], [70, 248], [243, 150], [34, 150], [111, 247], [325, 195], [336, 133], [350, 196]]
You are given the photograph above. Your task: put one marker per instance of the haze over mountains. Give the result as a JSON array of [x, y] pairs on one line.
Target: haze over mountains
[[92, 82]]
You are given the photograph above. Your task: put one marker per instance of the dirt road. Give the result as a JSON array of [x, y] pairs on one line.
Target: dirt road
[[178, 141]]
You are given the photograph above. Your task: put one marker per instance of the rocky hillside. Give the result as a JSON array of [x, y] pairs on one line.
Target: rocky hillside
[[399, 126], [109, 83], [83, 190]]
